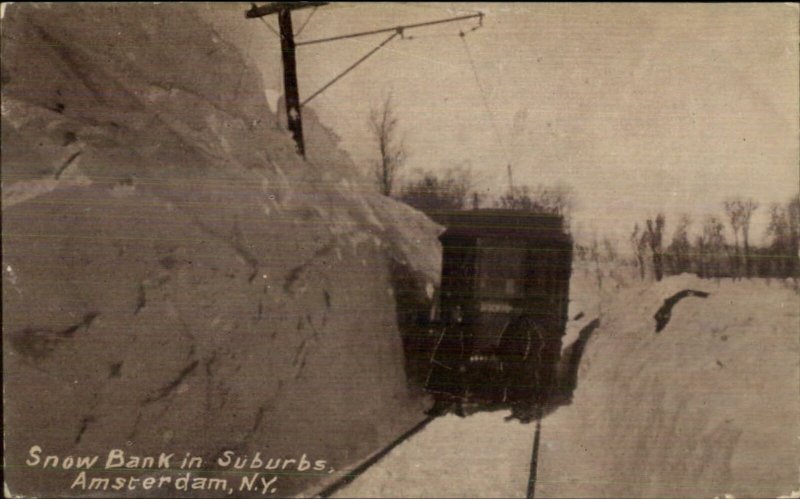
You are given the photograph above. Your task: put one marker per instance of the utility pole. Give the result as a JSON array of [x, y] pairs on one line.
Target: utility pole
[[292, 94], [288, 46], [291, 91]]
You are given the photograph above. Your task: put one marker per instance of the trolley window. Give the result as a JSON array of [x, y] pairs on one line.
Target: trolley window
[[501, 269]]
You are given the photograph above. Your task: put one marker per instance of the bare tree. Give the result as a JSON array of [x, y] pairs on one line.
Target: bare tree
[[739, 212], [558, 199], [699, 256], [680, 247], [713, 245], [778, 229], [655, 233], [784, 228], [733, 209], [594, 256], [748, 207], [477, 198], [610, 249], [448, 191], [793, 214], [520, 198], [639, 243], [383, 125]]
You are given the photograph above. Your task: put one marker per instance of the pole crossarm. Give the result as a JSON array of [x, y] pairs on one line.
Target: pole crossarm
[[275, 7], [397, 29], [352, 66]]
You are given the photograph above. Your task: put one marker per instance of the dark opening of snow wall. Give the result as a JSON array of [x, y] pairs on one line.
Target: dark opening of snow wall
[[175, 277]]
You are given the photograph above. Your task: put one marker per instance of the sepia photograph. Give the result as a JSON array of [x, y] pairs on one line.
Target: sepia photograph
[[400, 249]]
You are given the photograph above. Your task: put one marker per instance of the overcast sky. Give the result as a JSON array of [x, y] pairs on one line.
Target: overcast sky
[[639, 108]]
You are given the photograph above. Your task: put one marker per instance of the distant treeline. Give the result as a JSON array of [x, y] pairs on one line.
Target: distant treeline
[[710, 253]]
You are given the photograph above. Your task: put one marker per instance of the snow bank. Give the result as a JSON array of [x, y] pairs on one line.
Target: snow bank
[[175, 278], [707, 407]]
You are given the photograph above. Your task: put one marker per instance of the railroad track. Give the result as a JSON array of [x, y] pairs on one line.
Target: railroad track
[[353, 474], [531, 493], [372, 460]]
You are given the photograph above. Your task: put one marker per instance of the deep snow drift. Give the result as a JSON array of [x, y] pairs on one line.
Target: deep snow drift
[[707, 407], [175, 278]]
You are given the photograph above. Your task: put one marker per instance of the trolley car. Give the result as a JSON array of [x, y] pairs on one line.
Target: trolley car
[[501, 312]]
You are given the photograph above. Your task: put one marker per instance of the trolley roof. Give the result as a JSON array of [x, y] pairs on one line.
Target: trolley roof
[[502, 223]]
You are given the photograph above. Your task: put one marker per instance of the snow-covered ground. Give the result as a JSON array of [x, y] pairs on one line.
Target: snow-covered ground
[[477, 456], [707, 407]]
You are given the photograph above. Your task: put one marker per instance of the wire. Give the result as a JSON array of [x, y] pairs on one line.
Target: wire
[[482, 92], [433, 7], [300, 30], [352, 66], [387, 30], [268, 25]]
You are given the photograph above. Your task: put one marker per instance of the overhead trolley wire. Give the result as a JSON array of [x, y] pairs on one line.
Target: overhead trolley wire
[[482, 93], [399, 29], [396, 31]]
